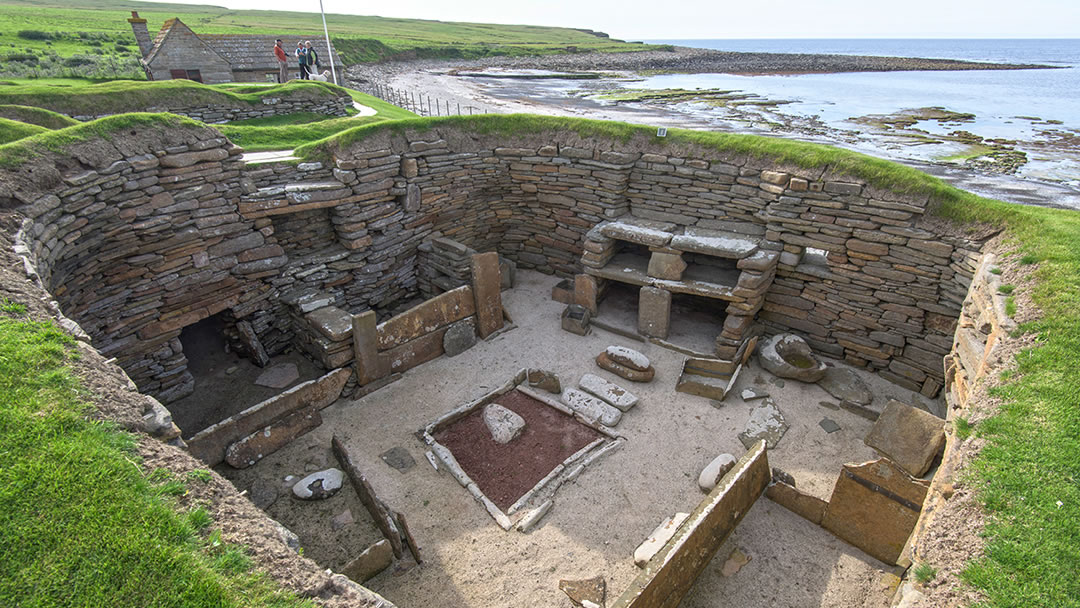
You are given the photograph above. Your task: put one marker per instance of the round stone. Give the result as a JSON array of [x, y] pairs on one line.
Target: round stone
[[319, 485], [715, 471]]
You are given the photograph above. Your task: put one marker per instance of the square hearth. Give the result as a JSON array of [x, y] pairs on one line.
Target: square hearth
[[518, 478]]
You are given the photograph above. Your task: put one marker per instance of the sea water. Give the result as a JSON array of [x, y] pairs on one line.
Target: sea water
[[1003, 101]]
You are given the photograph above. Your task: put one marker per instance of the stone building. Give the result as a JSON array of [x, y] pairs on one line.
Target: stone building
[[178, 52]]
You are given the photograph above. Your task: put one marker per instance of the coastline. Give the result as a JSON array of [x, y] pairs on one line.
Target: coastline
[[497, 85]]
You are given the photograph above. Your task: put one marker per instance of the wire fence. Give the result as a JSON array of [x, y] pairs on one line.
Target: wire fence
[[418, 103]]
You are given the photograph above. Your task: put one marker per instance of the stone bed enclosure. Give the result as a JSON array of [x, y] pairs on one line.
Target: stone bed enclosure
[[144, 232]]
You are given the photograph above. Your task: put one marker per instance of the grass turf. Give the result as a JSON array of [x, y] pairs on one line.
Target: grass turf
[[13, 130], [81, 98], [89, 27], [36, 116], [293, 130], [81, 522]]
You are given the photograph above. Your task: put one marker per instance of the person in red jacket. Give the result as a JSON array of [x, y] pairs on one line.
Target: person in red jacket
[[283, 66]]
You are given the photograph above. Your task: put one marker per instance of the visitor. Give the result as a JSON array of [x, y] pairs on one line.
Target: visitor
[[302, 57], [283, 59], [312, 58]]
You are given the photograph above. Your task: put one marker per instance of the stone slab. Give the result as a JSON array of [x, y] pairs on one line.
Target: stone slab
[[398, 458], [654, 312], [715, 243], [608, 391], [256, 446], [487, 292], [415, 352], [369, 366], [911, 437], [628, 357], [586, 292], [874, 506], [710, 387], [669, 266], [278, 376], [766, 423], [382, 517], [593, 590], [209, 444], [592, 409], [810, 508], [670, 574], [427, 317], [372, 561], [658, 538], [653, 234], [332, 322], [845, 384]]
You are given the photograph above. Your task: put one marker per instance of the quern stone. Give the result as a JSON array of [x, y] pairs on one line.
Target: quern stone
[[503, 424]]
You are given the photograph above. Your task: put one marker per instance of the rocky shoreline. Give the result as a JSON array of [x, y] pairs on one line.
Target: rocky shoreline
[[689, 60]]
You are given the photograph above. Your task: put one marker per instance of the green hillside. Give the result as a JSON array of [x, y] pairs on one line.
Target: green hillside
[[93, 39]]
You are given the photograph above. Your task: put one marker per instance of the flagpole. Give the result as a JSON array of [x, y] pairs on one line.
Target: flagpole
[[329, 51]]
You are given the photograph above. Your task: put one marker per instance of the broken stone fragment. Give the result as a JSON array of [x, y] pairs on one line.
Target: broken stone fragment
[[734, 563], [908, 436], [319, 485], [342, 519], [659, 537], [789, 356], [749, 394], [372, 561], [575, 319], [715, 471], [590, 590], [633, 375], [608, 391], [503, 424], [545, 380]]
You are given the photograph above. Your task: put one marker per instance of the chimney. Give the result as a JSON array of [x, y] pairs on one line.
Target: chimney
[[142, 35]]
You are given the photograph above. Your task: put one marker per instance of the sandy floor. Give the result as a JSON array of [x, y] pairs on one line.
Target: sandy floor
[[601, 517]]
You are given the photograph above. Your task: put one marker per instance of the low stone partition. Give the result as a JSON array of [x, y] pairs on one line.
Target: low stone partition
[[672, 571], [210, 444], [267, 107]]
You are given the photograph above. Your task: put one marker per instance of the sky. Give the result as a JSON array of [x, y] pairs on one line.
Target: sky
[[687, 19]]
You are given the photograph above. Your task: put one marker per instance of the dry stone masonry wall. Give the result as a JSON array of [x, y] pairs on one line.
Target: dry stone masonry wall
[[267, 107], [147, 233]]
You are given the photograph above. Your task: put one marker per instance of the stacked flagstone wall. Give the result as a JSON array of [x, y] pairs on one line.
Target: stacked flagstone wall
[[145, 233]]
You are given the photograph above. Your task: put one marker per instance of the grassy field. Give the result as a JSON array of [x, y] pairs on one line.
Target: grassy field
[[80, 37], [81, 522]]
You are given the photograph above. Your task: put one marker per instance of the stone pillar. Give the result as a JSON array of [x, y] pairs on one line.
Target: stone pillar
[[487, 291], [654, 312], [369, 366], [585, 292]]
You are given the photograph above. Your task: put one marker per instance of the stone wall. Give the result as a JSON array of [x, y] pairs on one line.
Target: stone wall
[[144, 234], [268, 106]]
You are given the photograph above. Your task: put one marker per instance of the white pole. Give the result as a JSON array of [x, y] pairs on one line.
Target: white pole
[[329, 52]]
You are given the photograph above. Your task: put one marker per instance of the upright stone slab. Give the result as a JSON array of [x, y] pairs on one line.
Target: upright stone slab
[[875, 506], [586, 292], [670, 574], [486, 283], [909, 436], [366, 348], [654, 312], [669, 266]]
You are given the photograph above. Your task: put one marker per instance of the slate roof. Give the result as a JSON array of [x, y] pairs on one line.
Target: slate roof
[[167, 28], [247, 51], [256, 52]]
